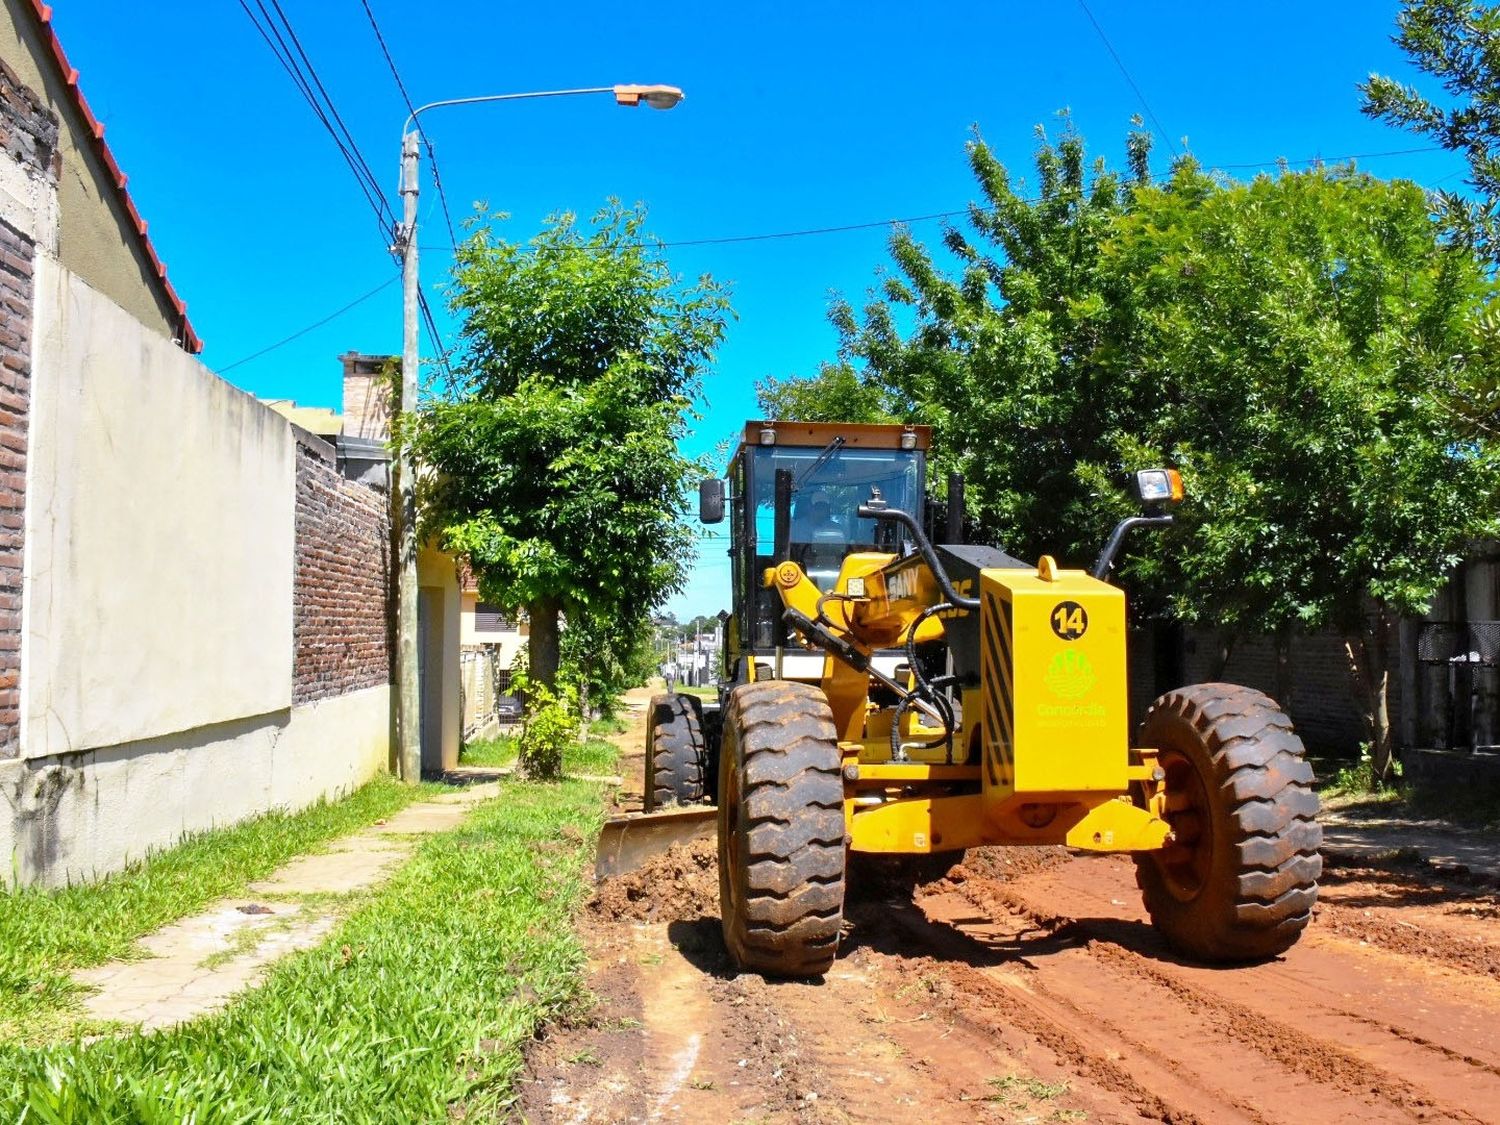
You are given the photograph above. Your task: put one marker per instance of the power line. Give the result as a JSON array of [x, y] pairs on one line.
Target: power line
[[1332, 159], [1119, 62], [935, 215], [384, 285], [369, 175], [432, 332], [437, 179], [352, 157]]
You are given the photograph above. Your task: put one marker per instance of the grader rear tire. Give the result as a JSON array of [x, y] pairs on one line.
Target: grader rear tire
[[676, 752], [781, 830], [1240, 882]]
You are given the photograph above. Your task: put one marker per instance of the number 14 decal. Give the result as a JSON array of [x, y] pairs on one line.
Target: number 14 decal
[[1069, 620]]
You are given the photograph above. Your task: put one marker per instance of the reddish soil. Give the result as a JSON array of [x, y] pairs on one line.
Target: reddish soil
[[1027, 985]]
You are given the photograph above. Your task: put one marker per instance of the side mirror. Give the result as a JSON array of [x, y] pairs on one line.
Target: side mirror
[[711, 500]]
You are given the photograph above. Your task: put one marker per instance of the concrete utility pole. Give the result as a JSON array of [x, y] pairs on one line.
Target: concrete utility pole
[[408, 698]]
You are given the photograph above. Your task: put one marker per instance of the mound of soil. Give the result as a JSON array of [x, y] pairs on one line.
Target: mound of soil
[[679, 885], [1001, 863]]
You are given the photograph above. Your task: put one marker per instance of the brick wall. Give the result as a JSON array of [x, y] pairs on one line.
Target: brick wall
[[1324, 703], [341, 591], [28, 137], [15, 397], [28, 129]]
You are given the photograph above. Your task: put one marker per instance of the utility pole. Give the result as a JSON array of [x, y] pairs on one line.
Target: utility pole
[[408, 697]]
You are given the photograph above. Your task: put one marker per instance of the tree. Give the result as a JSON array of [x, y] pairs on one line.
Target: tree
[[1301, 324], [1004, 361], [603, 657], [552, 462], [1457, 42], [1283, 342], [835, 394]]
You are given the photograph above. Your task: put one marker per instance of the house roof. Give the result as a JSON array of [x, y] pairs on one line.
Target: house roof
[[190, 339], [318, 420]]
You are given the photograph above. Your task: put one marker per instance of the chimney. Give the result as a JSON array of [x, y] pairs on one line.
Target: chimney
[[367, 382]]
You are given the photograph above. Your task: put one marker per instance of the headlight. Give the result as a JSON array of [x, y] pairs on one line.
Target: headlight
[[1158, 486]]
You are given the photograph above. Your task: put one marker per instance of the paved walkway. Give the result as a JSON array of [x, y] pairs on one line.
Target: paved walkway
[[1365, 834], [196, 965]]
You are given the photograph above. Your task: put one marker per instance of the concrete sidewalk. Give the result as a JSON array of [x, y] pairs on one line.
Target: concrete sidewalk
[[1364, 833], [197, 965]]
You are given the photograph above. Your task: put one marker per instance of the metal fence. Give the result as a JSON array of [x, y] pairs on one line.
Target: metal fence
[[483, 680]]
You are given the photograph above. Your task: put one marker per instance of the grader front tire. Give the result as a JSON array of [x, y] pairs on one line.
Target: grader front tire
[[781, 830], [676, 753], [1240, 881]]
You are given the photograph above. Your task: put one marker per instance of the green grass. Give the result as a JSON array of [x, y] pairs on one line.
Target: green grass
[[415, 1009], [497, 751], [602, 728], [45, 934], [596, 756]]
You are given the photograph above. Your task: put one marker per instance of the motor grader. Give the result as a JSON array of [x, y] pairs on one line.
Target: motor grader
[[888, 696]]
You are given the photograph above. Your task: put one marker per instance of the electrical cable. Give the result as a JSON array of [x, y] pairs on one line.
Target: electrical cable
[[875, 223], [384, 285], [434, 335], [353, 145], [437, 179], [1119, 62], [384, 216]]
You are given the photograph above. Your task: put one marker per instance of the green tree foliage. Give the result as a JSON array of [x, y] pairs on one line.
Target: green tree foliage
[[553, 461], [1299, 325], [604, 657], [1458, 43], [835, 394], [1280, 341], [1004, 359]]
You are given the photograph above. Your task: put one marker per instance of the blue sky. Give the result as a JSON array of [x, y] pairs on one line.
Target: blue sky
[[798, 116]]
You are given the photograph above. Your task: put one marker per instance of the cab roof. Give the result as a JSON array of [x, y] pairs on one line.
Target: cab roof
[[856, 435]]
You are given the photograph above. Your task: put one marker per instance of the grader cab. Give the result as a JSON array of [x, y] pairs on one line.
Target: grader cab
[[885, 695]]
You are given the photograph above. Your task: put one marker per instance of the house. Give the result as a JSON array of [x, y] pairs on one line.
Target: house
[[194, 592], [492, 639]]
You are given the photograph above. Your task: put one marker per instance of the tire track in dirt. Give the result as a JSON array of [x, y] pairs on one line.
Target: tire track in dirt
[[1148, 1037], [1028, 985], [1294, 1010]]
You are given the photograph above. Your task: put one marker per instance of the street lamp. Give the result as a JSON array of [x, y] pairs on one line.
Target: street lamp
[[408, 703]]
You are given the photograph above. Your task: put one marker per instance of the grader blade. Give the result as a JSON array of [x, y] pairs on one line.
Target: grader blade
[[626, 842]]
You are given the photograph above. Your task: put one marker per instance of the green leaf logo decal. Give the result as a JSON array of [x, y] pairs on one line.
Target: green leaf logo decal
[[1070, 675]]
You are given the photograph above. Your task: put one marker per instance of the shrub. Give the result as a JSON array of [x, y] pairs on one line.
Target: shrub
[[548, 728]]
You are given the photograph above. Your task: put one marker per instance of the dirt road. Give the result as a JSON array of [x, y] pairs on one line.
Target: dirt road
[[1027, 986]]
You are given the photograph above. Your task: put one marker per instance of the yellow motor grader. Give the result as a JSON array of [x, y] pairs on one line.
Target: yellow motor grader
[[882, 694]]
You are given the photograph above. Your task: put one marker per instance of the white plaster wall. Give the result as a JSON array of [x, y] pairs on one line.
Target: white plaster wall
[[85, 815], [436, 570], [159, 535]]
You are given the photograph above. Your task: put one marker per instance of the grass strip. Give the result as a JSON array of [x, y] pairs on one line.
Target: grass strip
[[44, 934], [497, 751], [415, 1009], [595, 756]]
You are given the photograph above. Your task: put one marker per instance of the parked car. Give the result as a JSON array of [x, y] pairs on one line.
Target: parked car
[[508, 708]]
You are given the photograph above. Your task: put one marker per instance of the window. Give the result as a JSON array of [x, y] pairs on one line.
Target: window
[[491, 619]]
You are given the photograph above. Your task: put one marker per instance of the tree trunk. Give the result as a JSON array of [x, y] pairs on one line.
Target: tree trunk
[[542, 647], [1368, 660], [1283, 684], [1222, 653]]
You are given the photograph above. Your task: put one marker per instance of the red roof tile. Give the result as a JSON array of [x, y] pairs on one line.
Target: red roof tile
[[190, 339]]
